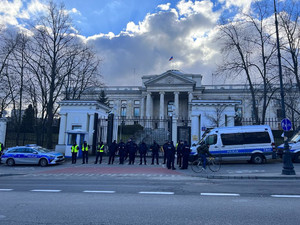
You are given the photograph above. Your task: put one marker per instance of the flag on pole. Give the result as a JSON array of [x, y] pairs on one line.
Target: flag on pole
[[170, 58]]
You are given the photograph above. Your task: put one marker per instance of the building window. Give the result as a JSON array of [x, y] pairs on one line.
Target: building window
[[136, 102], [136, 111], [123, 111], [72, 139], [76, 127], [170, 108]]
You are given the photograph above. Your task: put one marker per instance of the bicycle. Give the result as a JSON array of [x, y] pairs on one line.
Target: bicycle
[[213, 164]]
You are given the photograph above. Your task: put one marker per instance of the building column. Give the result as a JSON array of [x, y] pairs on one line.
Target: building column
[[91, 129], [195, 129], [148, 105], [62, 129], [176, 104], [142, 107], [161, 109], [190, 98]]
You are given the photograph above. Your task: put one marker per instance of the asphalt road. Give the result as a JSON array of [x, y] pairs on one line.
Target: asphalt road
[[123, 194]]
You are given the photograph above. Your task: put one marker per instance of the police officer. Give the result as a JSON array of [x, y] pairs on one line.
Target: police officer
[[1, 150], [85, 153], [112, 152], [100, 152], [170, 154], [143, 152], [155, 149], [164, 151], [121, 150], [132, 149], [74, 150], [185, 155], [179, 148]]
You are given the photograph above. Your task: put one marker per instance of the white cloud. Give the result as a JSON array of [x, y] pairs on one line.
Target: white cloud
[[184, 32], [243, 4], [164, 7]]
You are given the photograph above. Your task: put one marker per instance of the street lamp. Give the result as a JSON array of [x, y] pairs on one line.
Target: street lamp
[[288, 168]]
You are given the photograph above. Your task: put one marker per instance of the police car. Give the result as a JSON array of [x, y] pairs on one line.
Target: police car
[[31, 155], [294, 144]]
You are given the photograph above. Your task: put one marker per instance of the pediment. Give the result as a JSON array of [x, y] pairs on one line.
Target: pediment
[[169, 78]]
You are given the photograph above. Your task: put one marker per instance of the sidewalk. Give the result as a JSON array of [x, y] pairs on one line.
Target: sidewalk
[[229, 170]]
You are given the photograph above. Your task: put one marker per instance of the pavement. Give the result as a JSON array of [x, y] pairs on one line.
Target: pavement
[[229, 170]]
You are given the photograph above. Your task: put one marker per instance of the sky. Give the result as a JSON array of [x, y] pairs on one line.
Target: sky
[[134, 38]]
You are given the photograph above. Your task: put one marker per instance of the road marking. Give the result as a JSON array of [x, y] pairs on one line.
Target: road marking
[[6, 189], [105, 192], [286, 196], [156, 193], [219, 194], [41, 190]]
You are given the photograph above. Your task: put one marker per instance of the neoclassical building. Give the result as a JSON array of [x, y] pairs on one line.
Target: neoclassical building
[[176, 105]]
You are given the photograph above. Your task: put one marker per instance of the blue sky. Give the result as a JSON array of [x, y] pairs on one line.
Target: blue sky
[[137, 37]]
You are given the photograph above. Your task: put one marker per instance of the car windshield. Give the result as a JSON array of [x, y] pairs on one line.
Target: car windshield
[[296, 138], [43, 150]]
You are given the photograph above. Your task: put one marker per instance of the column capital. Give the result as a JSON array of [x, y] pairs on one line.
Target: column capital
[[176, 92], [162, 92]]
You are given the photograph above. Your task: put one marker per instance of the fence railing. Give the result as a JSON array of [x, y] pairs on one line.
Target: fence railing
[[274, 123]]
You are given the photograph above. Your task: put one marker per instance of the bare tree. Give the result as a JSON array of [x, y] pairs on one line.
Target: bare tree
[[56, 55], [237, 52], [216, 118]]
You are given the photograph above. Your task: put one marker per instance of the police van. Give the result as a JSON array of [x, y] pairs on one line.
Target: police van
[[254, 143], [294, 144]]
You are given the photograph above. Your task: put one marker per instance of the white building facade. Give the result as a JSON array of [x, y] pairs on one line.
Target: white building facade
[[177, 106]]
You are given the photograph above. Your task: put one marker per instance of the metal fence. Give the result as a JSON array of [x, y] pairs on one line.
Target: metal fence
[[274, 123]]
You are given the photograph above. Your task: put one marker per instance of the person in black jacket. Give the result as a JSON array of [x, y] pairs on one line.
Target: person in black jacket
[[179, 148], [203, 151], [164, 151], [143, 152], [155, 149], [185, 155], [132, 149], [121, 150], [170, 153], [112, 152]]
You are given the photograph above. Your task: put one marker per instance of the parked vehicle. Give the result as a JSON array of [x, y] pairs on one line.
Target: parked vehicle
[[294, 144], [31, 155], [254, 143]]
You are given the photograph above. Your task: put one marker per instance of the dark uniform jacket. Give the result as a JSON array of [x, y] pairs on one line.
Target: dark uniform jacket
[[204, 150]]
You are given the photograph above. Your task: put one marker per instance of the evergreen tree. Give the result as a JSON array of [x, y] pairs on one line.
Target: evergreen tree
[[103, 99], [28, 120]]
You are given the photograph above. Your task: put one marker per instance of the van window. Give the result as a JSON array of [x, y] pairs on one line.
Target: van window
[[245, 138], [232, 139], [257, 137], [211, 139]]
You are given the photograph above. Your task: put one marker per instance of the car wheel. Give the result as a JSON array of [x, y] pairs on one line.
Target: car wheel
[[257, 159], [43, 162], [297, 158], [10, 162]]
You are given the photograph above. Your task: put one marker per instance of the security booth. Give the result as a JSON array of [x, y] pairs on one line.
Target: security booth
[[80, 120], [75, 136]]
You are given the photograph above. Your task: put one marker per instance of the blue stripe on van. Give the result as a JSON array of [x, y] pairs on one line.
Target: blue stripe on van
[[234, 151]]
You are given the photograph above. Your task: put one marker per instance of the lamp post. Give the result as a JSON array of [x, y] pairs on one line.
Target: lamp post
[[288, 168]]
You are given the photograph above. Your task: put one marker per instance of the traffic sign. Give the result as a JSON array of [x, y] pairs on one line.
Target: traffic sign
[[286, 124]]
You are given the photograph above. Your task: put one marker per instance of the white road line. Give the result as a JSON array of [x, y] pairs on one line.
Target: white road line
[[105, 192], [219, 194], [156, 193], [285, 196], [6, 189], [42, 190]]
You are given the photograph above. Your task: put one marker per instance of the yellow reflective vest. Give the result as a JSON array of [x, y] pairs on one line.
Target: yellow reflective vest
[[74, 148], [86, 148], [100, 148]]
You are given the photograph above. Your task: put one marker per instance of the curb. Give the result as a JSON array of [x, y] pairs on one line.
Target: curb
[[246, 177]]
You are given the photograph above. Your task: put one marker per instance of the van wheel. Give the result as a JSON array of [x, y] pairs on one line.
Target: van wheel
[[257, 159], [297, 158]]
